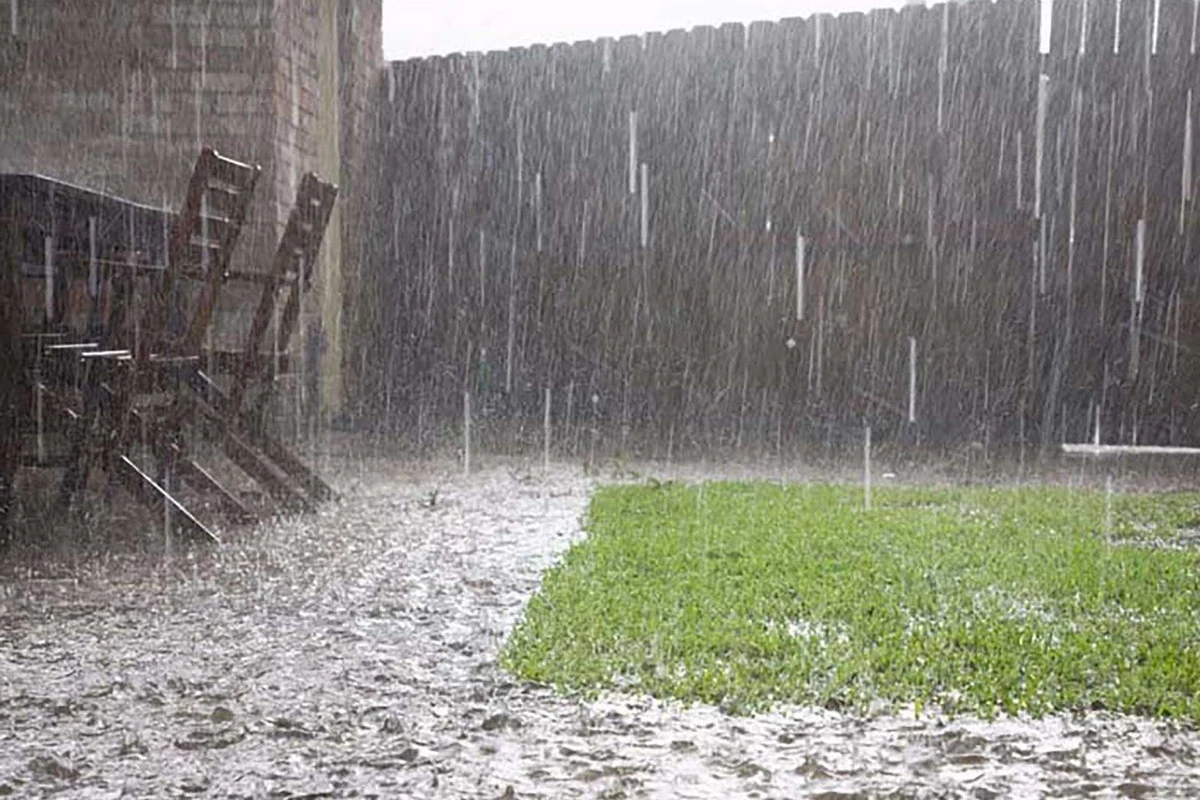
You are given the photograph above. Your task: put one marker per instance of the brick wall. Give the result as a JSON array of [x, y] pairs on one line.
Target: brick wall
[[360, 94], [119, 95]]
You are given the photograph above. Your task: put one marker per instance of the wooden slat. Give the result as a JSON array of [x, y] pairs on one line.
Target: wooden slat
[[202, 481], [275, 451], [156, 498], [72, 347], [235, 445], [260, 277], [200, 245], [247, 178], [298, 249], [226, 362]]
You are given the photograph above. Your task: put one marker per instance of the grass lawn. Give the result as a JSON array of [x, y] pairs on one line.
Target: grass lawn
[[978, 600]]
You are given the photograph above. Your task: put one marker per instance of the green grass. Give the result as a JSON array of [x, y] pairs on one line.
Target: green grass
[[978, 600]]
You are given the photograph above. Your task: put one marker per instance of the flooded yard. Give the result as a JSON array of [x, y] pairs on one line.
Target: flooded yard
[[353, 654]]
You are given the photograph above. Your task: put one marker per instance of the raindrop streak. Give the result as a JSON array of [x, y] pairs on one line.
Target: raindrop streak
[[537, 207], [943, 61], [799, 277], [512, 321], [771, 275], [39, 394], [520, 159], [1135, 349], [1140, 263], [645, 204], [1186, 181], [1154, 28], [126, 116], [1044, 27], [742, 407], [450, 256], [1043, 101], [867, 468], [633, 162], [205, 266], [482, 272], [1108, 504], [476, 86], [567, 418], [39, 403], [1074, 197], [129, 263], [201, 80], [912, 379], [812, 354], [166, 237], [48, 273], [166, 485], [1020, 170], [276, 352], [93, 284], [820, 343], [466, 433], [1040, 257], [595, 429], [1108, 196], [1117, 30], [546, 433], [1083, 25], [1175, 339], [12, 17], [1195, 9], [174, 37], [583, 219], [931, 193]]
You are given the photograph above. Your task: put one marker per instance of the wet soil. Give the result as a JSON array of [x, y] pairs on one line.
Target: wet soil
[[353, 654]]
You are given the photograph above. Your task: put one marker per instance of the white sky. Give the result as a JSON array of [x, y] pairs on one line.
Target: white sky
[[431, 27]]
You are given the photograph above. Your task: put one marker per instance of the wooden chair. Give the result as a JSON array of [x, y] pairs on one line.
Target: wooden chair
[[141, 380], [200, 246]]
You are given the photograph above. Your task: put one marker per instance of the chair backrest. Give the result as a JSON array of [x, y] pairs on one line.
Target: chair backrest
[[201, 243], [301, 240], [292, 268]]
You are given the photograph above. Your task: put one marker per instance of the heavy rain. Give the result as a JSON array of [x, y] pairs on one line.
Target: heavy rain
[[320, 373]]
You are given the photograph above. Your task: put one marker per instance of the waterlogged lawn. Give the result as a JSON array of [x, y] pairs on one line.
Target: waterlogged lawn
[[978, 600]]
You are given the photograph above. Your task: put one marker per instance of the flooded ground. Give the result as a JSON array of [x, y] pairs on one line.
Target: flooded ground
[[353, 654]]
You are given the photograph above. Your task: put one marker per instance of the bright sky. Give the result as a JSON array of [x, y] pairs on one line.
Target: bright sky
[[431, 27]]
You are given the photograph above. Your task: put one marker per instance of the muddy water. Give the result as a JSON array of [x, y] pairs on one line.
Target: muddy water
[[353, 654]]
